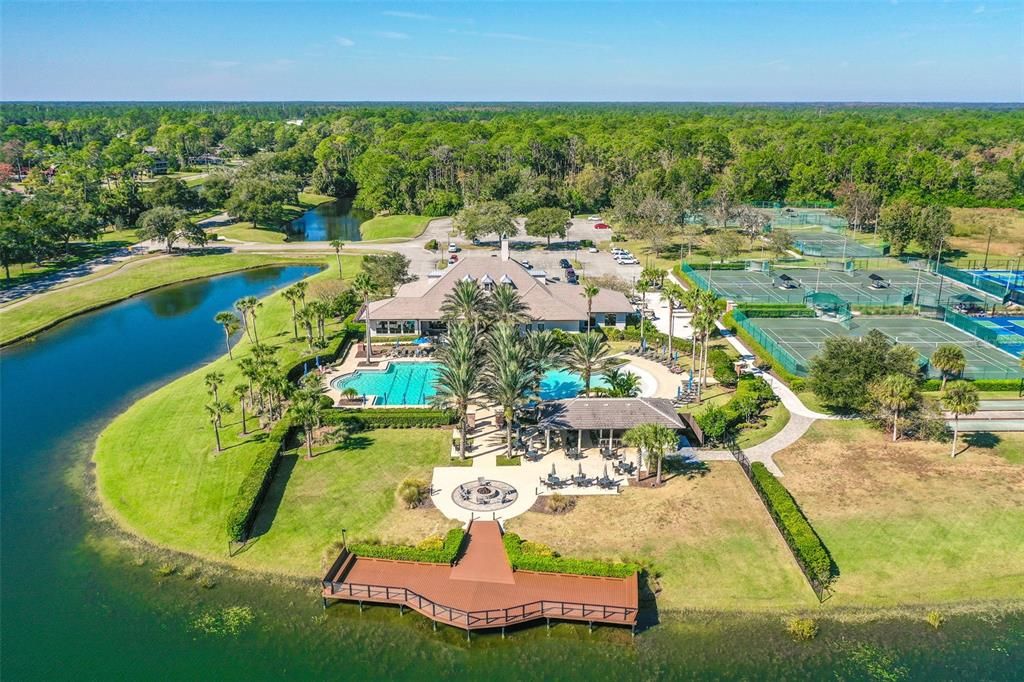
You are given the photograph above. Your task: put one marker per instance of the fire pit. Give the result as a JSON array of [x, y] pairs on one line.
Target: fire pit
[[484, 495]]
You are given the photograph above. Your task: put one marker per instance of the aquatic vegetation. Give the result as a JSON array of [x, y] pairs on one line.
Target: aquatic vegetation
[[166, 569], [802, 629], [191, 572], [227, 621], [935, 619]]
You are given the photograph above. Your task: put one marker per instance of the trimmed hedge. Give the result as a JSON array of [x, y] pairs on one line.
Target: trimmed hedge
[[254, 485], [722, 367], [980, 384], [776, 310], [327, 355], [522, 559], [802, 539], [447, 554], [386, 418]]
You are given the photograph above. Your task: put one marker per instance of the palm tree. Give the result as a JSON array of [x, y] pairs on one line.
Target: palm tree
[[509, 384], [895, 392], [588, 355], [673, 294], [307, 413], [507, 307], [458, 376], [242, 306], [321, 311], [215, 411], [229, 321], [691, 301], [638, 437], [301, 287], [661, 440], [546, 349], [337, 244], [466, 301], [307, 318], [960, 398], [365, 286], [240, 392], [291, 294], [949, 360], [589, 291], [213, 380], [621, 384], [250, 304], [249, 369]]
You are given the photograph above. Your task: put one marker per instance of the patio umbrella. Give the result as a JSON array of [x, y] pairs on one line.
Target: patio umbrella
[[606, 469], [318, 362], [581, 469], [679, 391], [553, 472], [305, 369]]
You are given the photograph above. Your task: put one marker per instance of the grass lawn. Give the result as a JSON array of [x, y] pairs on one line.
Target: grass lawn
[[245, 232], [312, 199], [45, 310], [394, 227], [706, 533], [905, 523], [776, 417], [158, 473], [970, 230], [78, 253]]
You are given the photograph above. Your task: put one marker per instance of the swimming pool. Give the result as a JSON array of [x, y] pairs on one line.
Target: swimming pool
[[412, 383]]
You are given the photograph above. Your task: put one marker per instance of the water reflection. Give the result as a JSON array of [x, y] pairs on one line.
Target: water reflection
[[333, 220], [178, 300]]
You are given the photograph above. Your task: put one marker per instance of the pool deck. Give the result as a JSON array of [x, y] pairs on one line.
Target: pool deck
[[481, 591]]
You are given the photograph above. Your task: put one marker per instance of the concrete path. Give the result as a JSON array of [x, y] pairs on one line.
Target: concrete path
[[63, 277]]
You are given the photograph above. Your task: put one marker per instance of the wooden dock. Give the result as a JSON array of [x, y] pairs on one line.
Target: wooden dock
[[481, 590]]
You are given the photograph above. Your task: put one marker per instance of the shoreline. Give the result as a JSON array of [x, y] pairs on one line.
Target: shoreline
[[26, 336]]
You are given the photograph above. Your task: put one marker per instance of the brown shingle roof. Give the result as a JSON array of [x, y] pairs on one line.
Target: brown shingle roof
[[608, 413], [554, 301]]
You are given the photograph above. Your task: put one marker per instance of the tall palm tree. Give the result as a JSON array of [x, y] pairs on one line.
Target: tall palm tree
[[307, 413], [691, 301], [242, 306], [507, 307], [459, 375], [661, 440], [249, 369], [546, 349], [251, 304], [365, 286], [291, 294], [229, 321], [240, 391], [960, 398], [673, 294], [949, 360], [321, 311], [466, 301], [213, 380], [895, 392], [337, 245], [215, 410], [638, 437], [588, 355], [621, 384], [589, 291], [510, 385], [307, 318], [302, 286]]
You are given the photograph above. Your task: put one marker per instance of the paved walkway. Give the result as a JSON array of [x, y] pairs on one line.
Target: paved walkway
[[63, 278]]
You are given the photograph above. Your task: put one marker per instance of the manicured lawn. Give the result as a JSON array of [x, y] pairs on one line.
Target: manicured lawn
[[245, 232], [777, 417], [708, 535], [905, 523], [47, 309], [78, 253], [394, 227], [312, 199], [157, 470]]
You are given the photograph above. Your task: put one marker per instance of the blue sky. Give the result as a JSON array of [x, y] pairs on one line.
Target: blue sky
[[595, 51]]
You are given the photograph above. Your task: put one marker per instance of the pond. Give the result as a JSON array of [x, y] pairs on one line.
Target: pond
[[77, 604], [330, 221]]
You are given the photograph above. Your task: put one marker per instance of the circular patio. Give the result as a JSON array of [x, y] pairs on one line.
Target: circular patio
[[484, 495]]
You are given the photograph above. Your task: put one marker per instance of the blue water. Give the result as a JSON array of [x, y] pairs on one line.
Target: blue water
[[412, 383]]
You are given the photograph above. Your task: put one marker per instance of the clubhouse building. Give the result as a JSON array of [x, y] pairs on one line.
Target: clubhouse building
[[416, 307]]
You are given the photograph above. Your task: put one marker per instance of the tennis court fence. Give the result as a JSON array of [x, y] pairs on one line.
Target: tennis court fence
[[976, 281], [996, 337], [783, 357]]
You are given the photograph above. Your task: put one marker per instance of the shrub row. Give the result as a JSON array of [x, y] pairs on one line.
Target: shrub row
[[254, 485], [717, 422], [329, 354], [776, 310], [382, 418], [805, 543], [737, 265], [980, 384], [522, 557], [722, 367], [446, 554], [795, 382]]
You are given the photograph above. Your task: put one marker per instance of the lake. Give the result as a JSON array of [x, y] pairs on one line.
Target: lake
[[79, 602], [329, 221]]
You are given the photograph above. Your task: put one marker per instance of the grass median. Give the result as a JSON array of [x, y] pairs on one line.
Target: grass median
[[394, 227]]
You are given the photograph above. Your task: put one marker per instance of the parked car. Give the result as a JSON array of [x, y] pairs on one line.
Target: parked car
[[616, 251], [571, 277], [526, 264], [594, 218], [565, 264], [452, 258], [452, 248], [592, 249], [602, 226], [569, 272]]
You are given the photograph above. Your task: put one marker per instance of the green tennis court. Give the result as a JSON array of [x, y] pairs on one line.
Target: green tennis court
[[889, 287], [830, 244], [803, 337]]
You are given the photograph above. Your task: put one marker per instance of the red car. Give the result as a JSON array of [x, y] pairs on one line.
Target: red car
[[602, 226], [453, 258]]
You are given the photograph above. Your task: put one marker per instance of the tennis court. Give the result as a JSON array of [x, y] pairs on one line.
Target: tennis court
[[828, 244], [803, 337], [1011, 280], [890, 287], [1009, 329]]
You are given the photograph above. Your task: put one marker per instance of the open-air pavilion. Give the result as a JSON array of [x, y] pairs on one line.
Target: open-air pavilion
[[828, 305], [608, 419]]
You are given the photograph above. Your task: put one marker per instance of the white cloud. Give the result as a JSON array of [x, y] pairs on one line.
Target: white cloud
[[345, 42], [391, 35], [979, 9], [408, 15]]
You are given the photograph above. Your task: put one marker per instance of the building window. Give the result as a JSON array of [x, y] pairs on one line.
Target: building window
[[540, 326], [611, 319], [394, 326]]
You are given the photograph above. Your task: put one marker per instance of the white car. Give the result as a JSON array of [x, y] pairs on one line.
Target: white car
[[592, 249], [452, 248], [627, 261], [617, 251], [594, 218]]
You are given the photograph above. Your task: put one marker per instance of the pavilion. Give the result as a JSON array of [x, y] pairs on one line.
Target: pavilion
[[611, 416]]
